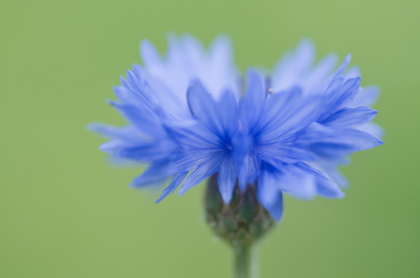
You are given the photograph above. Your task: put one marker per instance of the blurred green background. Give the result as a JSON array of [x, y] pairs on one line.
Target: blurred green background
[[64, 212]]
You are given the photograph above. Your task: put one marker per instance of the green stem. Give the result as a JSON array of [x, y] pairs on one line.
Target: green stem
[[243, 261]]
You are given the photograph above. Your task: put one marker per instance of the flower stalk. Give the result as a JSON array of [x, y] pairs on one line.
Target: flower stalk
[[243, 261], [241, 223]]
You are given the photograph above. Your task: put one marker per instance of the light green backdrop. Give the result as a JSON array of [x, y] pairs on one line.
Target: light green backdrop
[[64, 212]]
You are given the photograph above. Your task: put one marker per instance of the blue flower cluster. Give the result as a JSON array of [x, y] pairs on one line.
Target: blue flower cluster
[[191, 114]]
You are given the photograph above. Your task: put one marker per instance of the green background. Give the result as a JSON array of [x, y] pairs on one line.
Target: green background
[[65, 212]]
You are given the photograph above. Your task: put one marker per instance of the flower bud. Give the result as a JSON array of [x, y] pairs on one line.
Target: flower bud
[[242, 221]]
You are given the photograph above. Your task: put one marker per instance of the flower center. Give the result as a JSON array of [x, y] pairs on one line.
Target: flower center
[[229, 146]]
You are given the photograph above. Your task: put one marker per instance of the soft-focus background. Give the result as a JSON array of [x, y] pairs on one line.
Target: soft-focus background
[[64, 212]]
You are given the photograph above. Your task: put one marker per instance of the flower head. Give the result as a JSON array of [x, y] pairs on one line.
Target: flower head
[[287, 131]]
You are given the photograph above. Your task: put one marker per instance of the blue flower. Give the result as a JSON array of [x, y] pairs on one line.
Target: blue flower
[[287, 131]]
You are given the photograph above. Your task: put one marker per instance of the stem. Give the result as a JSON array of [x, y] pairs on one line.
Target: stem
[[243, 261]]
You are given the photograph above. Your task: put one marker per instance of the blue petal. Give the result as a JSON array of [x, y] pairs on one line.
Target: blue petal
[[248, 169], [267, 187], [339, 95], [153, 175], [144, 91], [274, 203], [206, 169], [330, 168], [184, 53], [344, 142], [252, 166], [149, 151], [252, 102], [115, 146], [336, 176], [192, 159], [175, 182], [297, 182], [194, 137], [347, 93], [313, 133], [203, 106], [242, 144], [350, 117], [221, 73], [173, 104], [276, 109], [342, 67], [193, 48], [276, 209], [138, 93], [325, 187], [279, 152], [228, 114], [221, 49], [352, 72], [145, 121], [290, 119], [227, 179], [126, 95], [255, 93], [221, 118], [304, 186], [222, 64]]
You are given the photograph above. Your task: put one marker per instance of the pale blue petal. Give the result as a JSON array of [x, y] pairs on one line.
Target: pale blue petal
[[288, 71], [366, 97], [352, 72], [126, 132], [315, 81], [115, 146], [149, 54], [222, 73], [373, 129]]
